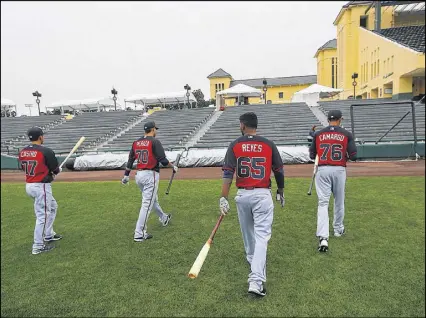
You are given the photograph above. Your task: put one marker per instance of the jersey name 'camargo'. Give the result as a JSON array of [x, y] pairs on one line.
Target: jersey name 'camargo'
[[339, 137]]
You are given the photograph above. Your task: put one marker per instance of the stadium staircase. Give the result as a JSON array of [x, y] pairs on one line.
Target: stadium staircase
[[203, 129], [319, 114], [125, 129]]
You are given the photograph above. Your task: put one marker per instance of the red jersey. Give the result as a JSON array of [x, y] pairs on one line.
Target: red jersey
[[148, 153], [39, 163], [333, 145], [253, 158]]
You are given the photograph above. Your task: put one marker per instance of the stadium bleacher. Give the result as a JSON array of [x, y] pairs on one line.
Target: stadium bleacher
[[282, 123], [14, 129], [375, 118], [174, 128], [285, 124], [95, 126]]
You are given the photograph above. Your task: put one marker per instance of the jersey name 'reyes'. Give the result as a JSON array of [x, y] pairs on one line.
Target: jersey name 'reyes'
[[251, 147], [252, 158]]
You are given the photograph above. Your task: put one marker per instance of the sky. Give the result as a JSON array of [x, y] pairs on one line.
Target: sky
[[80, 50]]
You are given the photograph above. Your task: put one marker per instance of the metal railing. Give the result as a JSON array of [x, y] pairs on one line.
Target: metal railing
[[413, 116]]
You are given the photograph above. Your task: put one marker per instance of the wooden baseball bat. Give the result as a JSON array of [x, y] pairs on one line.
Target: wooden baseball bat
[[73, 150], [313, 175], [196, 267], [173, 174]]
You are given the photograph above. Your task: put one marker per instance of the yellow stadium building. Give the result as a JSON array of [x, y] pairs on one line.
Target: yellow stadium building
[[279, 89], [379, 47], [382, 45]]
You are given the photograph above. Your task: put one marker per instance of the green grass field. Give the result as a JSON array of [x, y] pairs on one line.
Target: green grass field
[[377, 269]]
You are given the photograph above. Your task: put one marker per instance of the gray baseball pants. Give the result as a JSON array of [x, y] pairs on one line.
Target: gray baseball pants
[[255, 213], [328, 180]]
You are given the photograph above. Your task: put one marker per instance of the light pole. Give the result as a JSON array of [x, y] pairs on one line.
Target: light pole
[[354, 83], [114, 92], [37, 95], [265, 89], [187, 88]]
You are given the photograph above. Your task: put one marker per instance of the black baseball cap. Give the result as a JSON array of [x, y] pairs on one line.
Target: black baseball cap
[[34, 133], [334, 114], [149, 125]]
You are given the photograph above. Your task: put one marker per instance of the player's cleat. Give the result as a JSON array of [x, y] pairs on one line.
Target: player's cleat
[[323, 245], [339, 233], [55, 237], [141, 239], [167, 220], [257, 289], [45, 248]]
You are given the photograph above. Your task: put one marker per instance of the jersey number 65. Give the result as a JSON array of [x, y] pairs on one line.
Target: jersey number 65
[[250, 167]]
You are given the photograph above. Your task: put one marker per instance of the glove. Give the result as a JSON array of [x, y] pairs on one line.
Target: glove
[[175, 169], [224, 205], [280, 197], [125, 180], [55, 174]]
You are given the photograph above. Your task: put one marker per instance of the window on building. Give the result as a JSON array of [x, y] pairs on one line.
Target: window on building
[[392, 63], [366, 72], [332, 72], [375, 69], [363, 21], [378, 67], [372, 70], [223, 86], [280, 95], [336, 73]]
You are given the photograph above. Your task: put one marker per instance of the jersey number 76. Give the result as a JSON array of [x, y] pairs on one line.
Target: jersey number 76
[[334, 152]]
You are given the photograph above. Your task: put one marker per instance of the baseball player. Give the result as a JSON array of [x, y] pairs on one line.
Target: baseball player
[[253, 157], [334, 145], [40, 166], [311, 134], [149, 153]]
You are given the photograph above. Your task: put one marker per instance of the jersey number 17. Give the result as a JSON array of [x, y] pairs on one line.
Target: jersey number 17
[[29, 167]]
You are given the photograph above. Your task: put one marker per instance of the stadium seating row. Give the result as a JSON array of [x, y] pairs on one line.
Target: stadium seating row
[[175, 127], [375, 117], [285, 124], [282, 123]]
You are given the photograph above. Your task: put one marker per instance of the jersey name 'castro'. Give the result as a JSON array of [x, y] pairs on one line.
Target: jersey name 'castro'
[[253, 158], [38, 163]]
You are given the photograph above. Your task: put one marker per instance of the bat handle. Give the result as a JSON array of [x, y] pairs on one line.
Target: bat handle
[[215, 228]]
